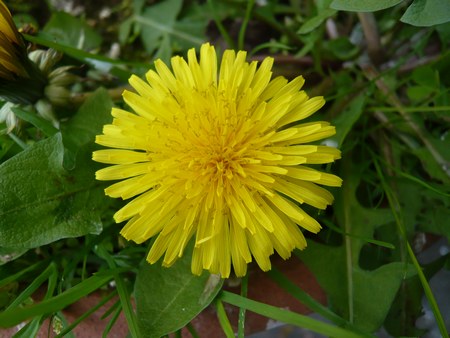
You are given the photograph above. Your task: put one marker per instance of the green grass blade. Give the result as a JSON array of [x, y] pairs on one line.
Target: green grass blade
[[33, 286], [220, 26], [85, 315], [64, 323], [78, 53], [422, 109], [192, 330], [305, 298], [330, 225], [347, 225], [223, 319], [52, 283], [241, 320], [111, 309], [124, 295], [18, 141], [45, 126], [30, 329], [395, 207], [168, 29], [271, 44], [423, 184], [248, 12], [289, 317], [20, 274], [412, 178], [15, 316], [428, 293], [112, 322]]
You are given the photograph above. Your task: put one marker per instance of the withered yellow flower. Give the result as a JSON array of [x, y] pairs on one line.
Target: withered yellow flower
[[20, 79], [218, 155], [11, 45]]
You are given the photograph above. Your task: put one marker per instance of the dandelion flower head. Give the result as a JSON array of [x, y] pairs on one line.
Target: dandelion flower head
[[217, 155]]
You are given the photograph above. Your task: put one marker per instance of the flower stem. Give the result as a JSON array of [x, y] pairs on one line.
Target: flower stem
[[370, 30]]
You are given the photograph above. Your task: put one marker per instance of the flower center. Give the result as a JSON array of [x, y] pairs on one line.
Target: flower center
[[217, 163]]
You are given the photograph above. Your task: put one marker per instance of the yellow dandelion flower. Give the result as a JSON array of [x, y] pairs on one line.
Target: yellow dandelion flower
[[216, 154]]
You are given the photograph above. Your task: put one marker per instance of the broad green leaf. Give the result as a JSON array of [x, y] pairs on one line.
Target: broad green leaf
[[372, 292], [309, 41], [425, 13], [41, 200], [419, 93], [409, 304], [138, 5], [433, 168], [342, 48], [161, 31], [395, 205], [363, 5], [6, 144], [89, 120], [364, 297], [85, 125], [426, 76], [345, 121], [22, 20], [424, 209], [168, 298], [156, 21], [194, 30], [322, 4], [124, 31], [444, 34], [71, 31], [164, 51], [316, 21], [436, 220]]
